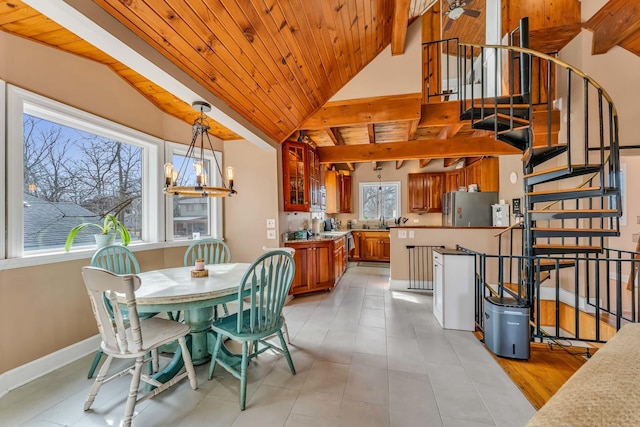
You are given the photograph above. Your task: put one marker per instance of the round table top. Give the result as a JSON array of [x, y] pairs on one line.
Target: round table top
[[175, 285]]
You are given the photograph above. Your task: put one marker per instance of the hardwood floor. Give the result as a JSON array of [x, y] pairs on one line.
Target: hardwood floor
[[546, 370]]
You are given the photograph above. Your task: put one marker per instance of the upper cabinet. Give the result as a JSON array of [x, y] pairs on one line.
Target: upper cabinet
[[301, 177], [338, 188], [483, 172], [425, 192]]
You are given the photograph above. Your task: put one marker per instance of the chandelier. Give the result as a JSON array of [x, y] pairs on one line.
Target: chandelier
[[176, 180]]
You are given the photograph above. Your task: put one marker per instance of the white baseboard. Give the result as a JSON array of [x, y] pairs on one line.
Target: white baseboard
[[403, 285], [21, 375]]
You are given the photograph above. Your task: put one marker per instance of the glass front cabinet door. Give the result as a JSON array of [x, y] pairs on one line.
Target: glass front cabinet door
[[295, 176]]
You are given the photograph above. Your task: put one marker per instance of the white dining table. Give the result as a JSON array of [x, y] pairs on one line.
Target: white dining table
[[173, 290]]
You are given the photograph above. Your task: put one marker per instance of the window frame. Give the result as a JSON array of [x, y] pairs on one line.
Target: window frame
[[362, 185], [21, 101], [215, 206]]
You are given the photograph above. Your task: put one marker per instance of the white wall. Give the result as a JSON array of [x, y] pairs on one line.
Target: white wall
[[387, 74], [246, 213]]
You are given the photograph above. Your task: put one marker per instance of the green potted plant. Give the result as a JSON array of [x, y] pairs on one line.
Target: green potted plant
[[107, 232]]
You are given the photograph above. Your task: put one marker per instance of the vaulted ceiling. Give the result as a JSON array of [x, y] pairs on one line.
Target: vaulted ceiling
[[274, 62], [277, 62]]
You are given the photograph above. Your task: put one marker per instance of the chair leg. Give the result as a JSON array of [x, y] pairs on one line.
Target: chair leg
[[285, 349], [243, 374], [94, 364], [102, 374], [188, 364], [226, 310], [286, 331], [214, 356], [133, 392]]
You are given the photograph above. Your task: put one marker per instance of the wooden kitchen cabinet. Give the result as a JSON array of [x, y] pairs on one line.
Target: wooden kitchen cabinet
[[453, 180], [338, 189], [356, 245], [314, 266], [483, 172], [345, 195], [339, 257], [375, 246], [425, 192], [301, 177], [333, 188]]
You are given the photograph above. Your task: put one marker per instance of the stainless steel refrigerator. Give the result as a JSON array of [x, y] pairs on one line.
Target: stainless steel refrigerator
[[468, 209]]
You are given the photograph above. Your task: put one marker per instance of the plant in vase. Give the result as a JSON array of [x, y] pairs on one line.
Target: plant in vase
[[107, 232]]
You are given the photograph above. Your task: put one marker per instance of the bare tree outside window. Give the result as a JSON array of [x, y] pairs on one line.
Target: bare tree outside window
[[72, 176], [379, 200]]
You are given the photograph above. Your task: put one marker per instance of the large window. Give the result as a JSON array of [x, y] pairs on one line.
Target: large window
[[66, 167], [379, 200], [189, 216]]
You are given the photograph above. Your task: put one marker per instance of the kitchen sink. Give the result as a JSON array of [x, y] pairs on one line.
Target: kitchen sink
[[333, 233]]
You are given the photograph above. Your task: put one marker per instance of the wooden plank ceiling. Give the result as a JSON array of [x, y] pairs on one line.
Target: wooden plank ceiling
[[278, 62]]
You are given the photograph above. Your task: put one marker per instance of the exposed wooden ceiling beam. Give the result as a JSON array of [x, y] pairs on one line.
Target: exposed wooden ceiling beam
[[371, 130], [351, 166], [366, 110], [421, 149], [450, 161], [399, 164], [617, 20], [334, 134], [400, 23], [424, 162], [440, 114], [469, 160], [413, 127]]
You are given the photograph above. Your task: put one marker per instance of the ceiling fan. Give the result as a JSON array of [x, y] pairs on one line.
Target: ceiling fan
[[457, 9]]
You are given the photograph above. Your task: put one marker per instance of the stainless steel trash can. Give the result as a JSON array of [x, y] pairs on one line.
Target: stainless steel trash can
[[506, 327]]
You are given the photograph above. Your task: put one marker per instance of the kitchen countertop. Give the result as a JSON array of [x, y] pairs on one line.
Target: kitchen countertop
[[333, 235], [324, 236]]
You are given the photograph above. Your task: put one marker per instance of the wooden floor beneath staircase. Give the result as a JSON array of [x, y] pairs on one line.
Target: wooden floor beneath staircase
[[545, 371]]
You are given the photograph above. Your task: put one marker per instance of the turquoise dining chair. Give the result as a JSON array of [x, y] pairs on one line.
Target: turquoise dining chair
[[212, 251], [119, 260], [262, 293]]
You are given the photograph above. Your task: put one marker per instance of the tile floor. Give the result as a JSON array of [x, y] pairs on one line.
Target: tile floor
[[364, 355]]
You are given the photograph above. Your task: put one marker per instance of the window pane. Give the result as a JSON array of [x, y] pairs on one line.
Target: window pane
[[190, 214], [379, 199], [71, 177]]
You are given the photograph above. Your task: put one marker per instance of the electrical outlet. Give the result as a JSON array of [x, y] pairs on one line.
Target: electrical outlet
[[415, 221], [412, 234], [271, 223], [634, 237], [402, 234], [271, 234]]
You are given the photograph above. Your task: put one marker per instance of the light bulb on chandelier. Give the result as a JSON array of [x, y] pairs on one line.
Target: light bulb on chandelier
[[175, 180]]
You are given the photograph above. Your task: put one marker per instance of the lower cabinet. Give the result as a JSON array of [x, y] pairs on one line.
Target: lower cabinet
[[319, 264], [375, 246]]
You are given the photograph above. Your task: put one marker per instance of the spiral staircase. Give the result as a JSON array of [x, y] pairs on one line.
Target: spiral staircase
[[566, 126]]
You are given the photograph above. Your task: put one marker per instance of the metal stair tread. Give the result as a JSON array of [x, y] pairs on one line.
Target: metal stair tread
[[571, 193], [550, 264], [561, 168], [537, 155], [565, 248], [538, 214]]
